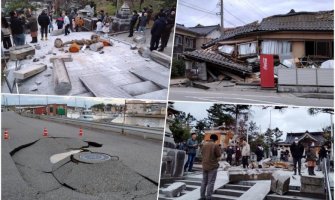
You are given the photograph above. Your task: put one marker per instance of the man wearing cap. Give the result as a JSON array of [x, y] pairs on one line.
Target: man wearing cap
[[297, 150]]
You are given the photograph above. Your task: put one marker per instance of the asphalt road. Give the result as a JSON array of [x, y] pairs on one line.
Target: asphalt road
[[28, 173], [245, 96]]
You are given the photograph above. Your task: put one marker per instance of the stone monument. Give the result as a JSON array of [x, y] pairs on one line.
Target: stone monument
[[122, 19]]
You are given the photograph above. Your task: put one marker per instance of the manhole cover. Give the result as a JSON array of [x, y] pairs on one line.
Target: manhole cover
[[90, 157]]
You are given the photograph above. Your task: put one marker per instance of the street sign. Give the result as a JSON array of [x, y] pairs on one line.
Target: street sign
[[267, 71]]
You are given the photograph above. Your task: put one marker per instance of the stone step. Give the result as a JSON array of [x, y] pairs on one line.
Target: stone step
[[140, 88], [302, 194], [189, 182], [289, 197], [223, 197], [230, 192], [237, 187]]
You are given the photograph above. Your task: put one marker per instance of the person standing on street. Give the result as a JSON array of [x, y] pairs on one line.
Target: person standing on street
[[259, 154], [33, 26], [192, 145], [132, 23], [51, 26], [211, 154], [143, 23], [245, 153], [5, 33], [237, 156], [17, 26], [322, 155], [274, 152], [311, 159], [230, 152], [297, 150], [156, 31], [67, 24], [44, 21], [60, 22], [167, 31]]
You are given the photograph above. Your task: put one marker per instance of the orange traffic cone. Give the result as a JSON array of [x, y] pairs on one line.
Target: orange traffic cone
[[81, 132], [45, 132], [6, 135]]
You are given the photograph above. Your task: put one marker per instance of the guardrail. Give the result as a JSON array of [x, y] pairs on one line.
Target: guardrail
[[145, 132], [327, 181]]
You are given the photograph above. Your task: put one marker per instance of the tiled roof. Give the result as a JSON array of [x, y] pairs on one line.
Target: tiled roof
[[309, 21], [292, 21], [218, 59], [198, 30], [317, 135], [240, 30]]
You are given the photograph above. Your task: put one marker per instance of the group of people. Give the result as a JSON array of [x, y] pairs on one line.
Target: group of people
[[160, 32]]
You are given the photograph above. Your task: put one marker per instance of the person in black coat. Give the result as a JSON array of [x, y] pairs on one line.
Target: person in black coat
[[156, 31], [17, 26], [322, 155], [44, 21], [297, 151], [167, 31], [132, 23], [259, 154], [230, 152]]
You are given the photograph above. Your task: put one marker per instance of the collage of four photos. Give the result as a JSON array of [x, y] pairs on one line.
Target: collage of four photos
[[167, 100]]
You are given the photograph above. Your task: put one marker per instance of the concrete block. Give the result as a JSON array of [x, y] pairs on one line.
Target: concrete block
[[236, 175], [161, 58], [144, 52], [21, 52], [97, 46], [312, 180], [280, 183], [315, 189], [174, 189], [57, 32], [179, 163], [29, 71], [62, 82]]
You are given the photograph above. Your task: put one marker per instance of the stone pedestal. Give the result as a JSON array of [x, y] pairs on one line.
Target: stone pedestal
[[312, 184], [121, 21], [174, 189], [280, 183]]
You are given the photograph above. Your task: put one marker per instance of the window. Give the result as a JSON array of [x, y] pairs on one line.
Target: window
[[178, 40], [247, 48], [51, 109], [189, 43], [276, 47], [319, 48]]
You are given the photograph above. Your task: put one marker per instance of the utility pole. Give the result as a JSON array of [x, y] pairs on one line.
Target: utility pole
[[222, 18]]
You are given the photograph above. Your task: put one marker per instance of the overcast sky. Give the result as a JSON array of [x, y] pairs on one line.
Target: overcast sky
[[240, 12], [292, 119], [70, 101]]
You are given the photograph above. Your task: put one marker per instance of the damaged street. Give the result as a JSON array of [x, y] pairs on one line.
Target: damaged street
[[49, 160]]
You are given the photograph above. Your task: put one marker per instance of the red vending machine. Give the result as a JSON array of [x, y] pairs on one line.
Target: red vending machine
[[267, 71]]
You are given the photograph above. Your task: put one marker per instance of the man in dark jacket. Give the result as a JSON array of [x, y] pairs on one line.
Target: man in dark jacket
[[132, 23], [211, 153], [17, 26], [167, 31], [230, 152], [297, 150], [259, 154], [192, 145], [156, 31], [44, 21]]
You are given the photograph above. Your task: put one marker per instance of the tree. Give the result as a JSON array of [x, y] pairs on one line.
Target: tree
[[178, 68], [252, 131], [315, 111], [180, 126], [237, 111], [218, 117]]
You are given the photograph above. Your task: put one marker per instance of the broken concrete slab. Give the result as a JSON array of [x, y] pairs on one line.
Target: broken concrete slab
[[29, 71], [148, 74], [62, 82], [144, 52], [140, 88], [101, 86], [97, 46], [161, 58], [257, 191], [174, 190], [236, 175], [65, 58], [21, 52], [280, 182], [57, 32], [159, 95]]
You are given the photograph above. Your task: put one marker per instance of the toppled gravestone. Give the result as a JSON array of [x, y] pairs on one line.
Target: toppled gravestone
[[280, 182], [29, 71], [62, 82], [238, 174], [174, 189], [21, 52], [312, 184]]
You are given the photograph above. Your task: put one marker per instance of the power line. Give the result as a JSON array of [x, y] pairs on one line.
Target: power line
[[262, 13]]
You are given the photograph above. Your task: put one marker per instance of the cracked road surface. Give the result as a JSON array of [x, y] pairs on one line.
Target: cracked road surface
[[27, 172]]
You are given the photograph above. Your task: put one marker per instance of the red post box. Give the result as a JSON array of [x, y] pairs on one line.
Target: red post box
[[267, 71]]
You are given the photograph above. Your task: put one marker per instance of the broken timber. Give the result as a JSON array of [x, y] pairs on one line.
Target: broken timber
[[29, 71], [148, 74], [21, 52], [161, 58], [101, 86], [62, 82]]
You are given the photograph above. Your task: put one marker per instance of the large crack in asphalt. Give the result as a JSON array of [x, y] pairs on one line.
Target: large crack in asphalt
[[107, 180]]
